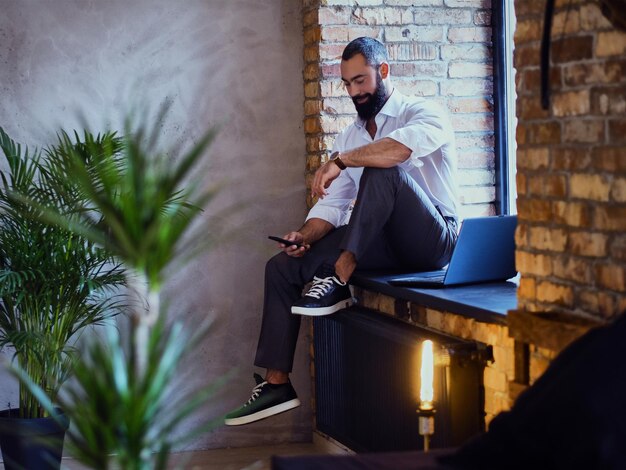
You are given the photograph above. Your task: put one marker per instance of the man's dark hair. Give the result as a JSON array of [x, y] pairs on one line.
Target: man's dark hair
[[373, 50]]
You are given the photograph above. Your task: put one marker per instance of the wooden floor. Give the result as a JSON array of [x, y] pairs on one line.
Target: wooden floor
[[248, 458]]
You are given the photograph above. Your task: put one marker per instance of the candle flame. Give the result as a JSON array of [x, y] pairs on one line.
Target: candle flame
[[427, 376]]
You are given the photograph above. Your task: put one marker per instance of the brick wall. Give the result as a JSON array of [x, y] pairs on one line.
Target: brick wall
[[571, 163], [438, 49]]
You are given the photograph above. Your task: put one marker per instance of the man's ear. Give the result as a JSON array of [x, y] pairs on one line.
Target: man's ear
[[384, 70]]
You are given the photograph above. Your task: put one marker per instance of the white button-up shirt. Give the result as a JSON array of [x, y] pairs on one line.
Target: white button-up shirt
[[422, 126]]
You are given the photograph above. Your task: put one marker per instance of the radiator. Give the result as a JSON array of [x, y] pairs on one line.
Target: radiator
[[367, 383]]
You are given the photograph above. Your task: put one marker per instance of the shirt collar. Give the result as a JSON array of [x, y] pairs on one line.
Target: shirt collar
[[391, 108]]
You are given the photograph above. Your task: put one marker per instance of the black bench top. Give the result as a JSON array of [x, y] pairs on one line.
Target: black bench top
[[488, 302]]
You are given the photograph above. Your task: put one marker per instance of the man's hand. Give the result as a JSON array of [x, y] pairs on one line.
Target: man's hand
[[293, 250], [324, 176]]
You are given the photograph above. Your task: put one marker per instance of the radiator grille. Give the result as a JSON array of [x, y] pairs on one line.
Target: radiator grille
[[367, 384]]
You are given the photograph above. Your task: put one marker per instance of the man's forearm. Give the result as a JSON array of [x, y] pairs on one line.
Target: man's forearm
[[314, 229], [384, 153]]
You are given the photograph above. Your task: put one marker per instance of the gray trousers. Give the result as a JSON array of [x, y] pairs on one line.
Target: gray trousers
[[394, 225]]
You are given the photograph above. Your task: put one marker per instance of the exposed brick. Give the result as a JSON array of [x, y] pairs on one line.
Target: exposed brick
[[598, 303], [618, 247], [417, 87], [574, 214], [543, 133], [334, 15], [472, 123], [609, 71], [612, 218], [414, 33], [476, 177], [588, 244], [570, 49], [476, 195], [611, 276], [522, 184], [483, 159], [419, 69], [430, 16], [482, 18], [470, 105], [572, 269], [571, 158], [612, 159], [465, 51], [572, 103], [611, 43], [469, 69], [311, 72], [565, 22], [530, 81], [590, 186], [369, 31], [535, 210], [609, 100], [584, 130], [495, 380], [617, 131], [410, 3], [332, 87], [332, 34], [310, 18], [382, 16], [331, 51], [471, 141], [312, 107], [334, 124], [312, 35], [468, 3], [333, 105], [528, 30], [535, 158], [311, 90], [527, 55], [529, 263], [521, 235], [473, 34], [412, 51], [529, 108], [543, 238], [548, 185], [466, 87], [618, 190], [530, 7], [311, 54], [591, 18], [527, 288], [554, 293], [332, 71], [312, 125]]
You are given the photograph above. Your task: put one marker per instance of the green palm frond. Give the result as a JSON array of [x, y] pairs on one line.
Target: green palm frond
[[51, 279]]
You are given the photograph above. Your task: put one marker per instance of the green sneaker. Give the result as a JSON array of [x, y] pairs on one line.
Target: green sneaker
[[266, 400]]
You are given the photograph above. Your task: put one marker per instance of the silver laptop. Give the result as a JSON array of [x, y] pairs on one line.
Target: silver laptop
[[484, 252]]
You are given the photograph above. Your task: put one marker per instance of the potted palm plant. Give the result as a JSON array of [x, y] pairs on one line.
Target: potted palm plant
[[120, 405], [53, 284]]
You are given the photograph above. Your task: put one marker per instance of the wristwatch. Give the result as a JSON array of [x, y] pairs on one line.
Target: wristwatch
[[334, 157]]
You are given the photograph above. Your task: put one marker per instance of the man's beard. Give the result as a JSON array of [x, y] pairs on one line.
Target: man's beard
[[375, 101]]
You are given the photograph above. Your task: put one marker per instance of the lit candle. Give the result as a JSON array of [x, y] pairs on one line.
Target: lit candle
[[427, 376]]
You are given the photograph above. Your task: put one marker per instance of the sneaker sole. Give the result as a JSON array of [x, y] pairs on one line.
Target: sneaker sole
[[321, 311], [274, 410]]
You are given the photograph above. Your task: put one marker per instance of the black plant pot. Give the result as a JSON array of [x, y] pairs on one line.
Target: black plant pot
[[35, 444]]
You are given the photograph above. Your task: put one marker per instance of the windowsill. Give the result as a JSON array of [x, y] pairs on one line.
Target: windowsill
[[487, 302]]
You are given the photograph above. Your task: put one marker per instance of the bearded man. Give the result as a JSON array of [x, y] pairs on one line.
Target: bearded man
[[386, 200]]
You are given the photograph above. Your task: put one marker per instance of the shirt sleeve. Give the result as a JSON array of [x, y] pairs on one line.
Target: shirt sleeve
[[335, 206], [426, 128]]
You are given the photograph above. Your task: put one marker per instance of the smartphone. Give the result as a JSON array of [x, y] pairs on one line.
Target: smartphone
[[283, 241]]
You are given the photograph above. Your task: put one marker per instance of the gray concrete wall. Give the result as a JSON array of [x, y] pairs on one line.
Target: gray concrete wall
[[232, 63]]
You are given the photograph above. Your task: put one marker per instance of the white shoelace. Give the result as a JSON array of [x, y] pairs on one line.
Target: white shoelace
[[321, 285], [256, 391]]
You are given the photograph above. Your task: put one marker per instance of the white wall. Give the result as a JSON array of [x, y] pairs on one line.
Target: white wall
[[232, 63]]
